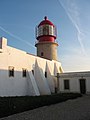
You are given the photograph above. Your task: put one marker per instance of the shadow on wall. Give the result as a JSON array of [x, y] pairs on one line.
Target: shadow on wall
[[25, 82], [41, 80], [14, 83]]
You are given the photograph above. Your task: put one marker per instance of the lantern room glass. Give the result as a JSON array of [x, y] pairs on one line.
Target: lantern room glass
[[45, 30]]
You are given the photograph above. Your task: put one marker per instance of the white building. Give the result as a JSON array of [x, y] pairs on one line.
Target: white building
[[74, 82], [24, 74]]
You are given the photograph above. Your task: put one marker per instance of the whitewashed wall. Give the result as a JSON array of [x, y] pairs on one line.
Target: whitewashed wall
[[35, 84], [88, 85], [74, 81]]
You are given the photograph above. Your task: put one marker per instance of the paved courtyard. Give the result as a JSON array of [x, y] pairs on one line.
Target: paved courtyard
[[77, 109]]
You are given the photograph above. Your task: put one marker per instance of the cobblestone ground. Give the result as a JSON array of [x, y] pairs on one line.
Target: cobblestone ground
[[77, 109]]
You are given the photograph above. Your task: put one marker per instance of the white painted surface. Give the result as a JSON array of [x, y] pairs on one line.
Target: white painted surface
[[33, 88], [35, 84], [41, 80], [74, 81], [50, 77]]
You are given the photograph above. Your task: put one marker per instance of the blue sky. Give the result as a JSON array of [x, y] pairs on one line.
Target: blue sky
[[18, 19]]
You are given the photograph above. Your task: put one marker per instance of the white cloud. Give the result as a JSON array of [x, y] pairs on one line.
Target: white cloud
[[72, 11], [78, 59]]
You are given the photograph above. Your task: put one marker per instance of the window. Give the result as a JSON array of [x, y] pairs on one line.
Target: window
[[24, 72], [41, 53], [33, 72], [46, 30], [66, 84], [11, 71], [45, 74]]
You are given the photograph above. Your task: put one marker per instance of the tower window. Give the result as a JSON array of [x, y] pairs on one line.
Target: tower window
[[66, 84], [23, 72], [45, 74], [11, 71], [42, 54]]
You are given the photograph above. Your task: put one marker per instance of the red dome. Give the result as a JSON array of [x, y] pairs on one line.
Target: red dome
[[46, 21]]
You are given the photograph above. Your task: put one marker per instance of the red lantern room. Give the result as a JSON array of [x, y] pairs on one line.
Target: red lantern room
[[46, 35], [46, 31]]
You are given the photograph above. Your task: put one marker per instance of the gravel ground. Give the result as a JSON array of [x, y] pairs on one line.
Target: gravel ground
[[77, 109]]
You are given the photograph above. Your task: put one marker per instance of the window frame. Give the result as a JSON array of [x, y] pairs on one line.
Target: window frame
[[66, 84], [42, 54], [24, 72], [11, 71], [33, 72], [45, 74]]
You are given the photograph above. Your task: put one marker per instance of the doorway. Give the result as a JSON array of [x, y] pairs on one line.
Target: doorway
[[82, 86]]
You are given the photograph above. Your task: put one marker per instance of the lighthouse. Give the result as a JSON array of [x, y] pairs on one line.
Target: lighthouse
[[46, 35]]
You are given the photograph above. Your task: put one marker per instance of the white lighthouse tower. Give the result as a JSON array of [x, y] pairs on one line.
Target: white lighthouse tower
[[46, 35]]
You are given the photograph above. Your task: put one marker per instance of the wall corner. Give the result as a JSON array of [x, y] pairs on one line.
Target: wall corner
[[3, 43]]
